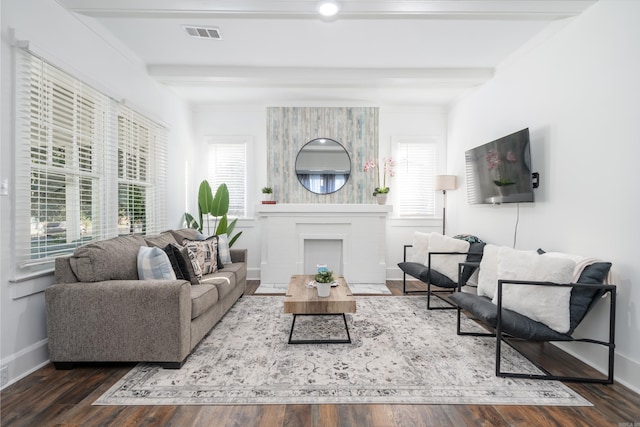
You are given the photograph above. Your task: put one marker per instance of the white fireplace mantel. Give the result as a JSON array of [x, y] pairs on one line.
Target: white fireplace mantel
[[322, 208], [360, 229]]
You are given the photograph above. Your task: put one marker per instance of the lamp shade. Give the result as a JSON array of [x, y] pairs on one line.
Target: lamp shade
[[445, 182]]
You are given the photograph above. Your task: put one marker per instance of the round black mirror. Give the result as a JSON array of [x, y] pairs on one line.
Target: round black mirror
[[323, 166]]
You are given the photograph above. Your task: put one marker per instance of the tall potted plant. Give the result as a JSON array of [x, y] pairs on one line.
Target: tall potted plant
[[216, 206]]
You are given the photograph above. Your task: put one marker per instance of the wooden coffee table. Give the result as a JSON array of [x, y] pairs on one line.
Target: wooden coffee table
[[301, 300]]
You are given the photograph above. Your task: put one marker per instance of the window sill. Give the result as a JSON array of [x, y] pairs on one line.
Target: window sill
[[31, 284], [415, 222]]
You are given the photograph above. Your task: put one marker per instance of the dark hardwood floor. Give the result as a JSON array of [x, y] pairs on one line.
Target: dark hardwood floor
[[63, 398]]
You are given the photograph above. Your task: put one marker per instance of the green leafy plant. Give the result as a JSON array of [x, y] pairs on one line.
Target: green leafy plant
[[267, 190], [217, 206], [324, 276]]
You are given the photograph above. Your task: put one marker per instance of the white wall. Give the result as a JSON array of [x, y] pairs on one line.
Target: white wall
[[251, 120], [104, 63], [577, 90]]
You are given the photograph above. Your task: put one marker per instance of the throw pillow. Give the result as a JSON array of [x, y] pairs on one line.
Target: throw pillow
[[154, 264], [223, 249], [204, 252], [178, 263], [195, 273], [546, 304], [488, 271], [447, 264], [420, 247]]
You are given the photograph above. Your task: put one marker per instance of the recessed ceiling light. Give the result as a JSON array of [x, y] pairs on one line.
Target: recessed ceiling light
[[328, 8]]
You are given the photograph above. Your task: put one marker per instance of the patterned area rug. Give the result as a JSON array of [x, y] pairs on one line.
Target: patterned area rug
[[356, 288], [400, 353]]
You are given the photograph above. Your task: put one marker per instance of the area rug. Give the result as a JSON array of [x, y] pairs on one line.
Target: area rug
[[356, 289], [400, 353]]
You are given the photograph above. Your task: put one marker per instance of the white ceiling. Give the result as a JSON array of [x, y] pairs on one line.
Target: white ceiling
[[375, 52]]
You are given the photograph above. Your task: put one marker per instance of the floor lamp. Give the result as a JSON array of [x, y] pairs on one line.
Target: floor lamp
[[444, 183]]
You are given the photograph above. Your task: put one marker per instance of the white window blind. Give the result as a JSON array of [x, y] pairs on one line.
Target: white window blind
[[142, 158], [67, 163], [227, 159], [415, 174]]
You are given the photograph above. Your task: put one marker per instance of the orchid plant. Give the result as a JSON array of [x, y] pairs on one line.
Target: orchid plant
[[500, 165], [386, 168]]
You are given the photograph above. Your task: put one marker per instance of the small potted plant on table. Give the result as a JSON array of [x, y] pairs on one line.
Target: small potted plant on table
[[324, 279]]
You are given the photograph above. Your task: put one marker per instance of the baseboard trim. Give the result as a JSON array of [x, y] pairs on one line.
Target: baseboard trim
[[26, 361], [626, 371]]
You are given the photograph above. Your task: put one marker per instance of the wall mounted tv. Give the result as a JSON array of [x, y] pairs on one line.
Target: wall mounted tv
[[500, 171]]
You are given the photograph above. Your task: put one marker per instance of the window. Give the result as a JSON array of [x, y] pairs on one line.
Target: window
[[141, 203], [227, 157], [415, 174], [68, 155]]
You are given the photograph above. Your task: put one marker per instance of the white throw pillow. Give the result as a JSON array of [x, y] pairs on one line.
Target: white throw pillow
[[420, 247], [488, 271], [545, 304], [153, 263], [223, 249], [447, 264]]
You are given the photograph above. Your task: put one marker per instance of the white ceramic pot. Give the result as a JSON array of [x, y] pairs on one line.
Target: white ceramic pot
[[381, 198], [324, 289]]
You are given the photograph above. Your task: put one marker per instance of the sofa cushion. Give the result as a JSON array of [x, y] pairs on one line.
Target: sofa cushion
[[161, 240], [203, 297], [488, 272], [225, 281], [581, 296], [475, 255], [154, 264], [239, 270], [420, 247], [545, 304], [420, 271], [512, 323], [186, 233], [447, 264], [111, 259], [178, 263]]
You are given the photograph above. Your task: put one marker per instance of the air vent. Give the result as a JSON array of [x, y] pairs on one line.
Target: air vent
[[203, 32]]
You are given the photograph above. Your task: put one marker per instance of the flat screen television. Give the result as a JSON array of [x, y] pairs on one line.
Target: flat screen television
[[500, 171]]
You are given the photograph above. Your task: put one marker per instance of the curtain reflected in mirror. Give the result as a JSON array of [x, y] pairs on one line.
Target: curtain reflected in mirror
[[323, 166]]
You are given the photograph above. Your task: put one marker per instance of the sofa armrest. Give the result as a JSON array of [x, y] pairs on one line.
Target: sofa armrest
[[238, 255], [119, 320]]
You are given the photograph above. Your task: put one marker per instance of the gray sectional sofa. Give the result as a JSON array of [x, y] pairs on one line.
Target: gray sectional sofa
[[99, 310]]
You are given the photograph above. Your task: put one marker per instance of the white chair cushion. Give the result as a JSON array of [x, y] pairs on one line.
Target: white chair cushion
[[545, 304]]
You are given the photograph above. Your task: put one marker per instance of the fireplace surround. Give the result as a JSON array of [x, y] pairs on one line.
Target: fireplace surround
[[360, 228]]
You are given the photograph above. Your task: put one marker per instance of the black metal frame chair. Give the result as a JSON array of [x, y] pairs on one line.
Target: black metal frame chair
[[601, 291], [428, 279]]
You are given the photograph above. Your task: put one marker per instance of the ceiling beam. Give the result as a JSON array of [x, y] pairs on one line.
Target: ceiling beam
[[317, 77], [352, 9]]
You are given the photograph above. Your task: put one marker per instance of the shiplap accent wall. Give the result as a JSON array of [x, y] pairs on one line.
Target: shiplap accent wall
[[289, 128]]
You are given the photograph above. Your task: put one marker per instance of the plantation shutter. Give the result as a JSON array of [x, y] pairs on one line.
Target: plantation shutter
[[415, 174]]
